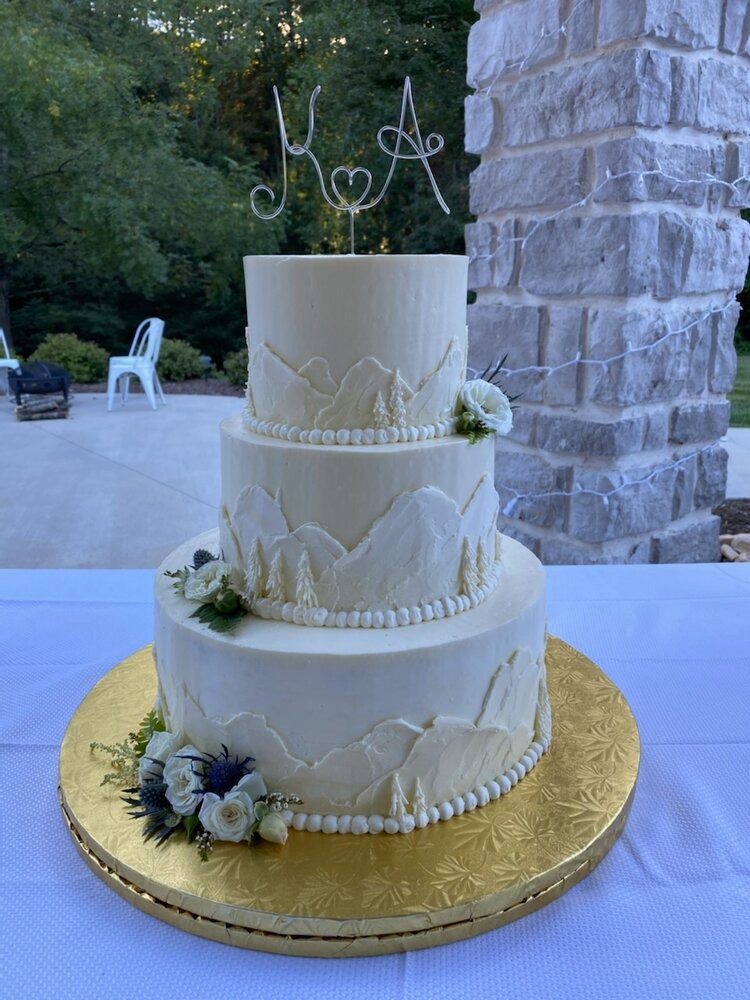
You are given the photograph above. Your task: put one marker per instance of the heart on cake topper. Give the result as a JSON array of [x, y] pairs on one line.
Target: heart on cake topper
[[350, 175], [420, 150]]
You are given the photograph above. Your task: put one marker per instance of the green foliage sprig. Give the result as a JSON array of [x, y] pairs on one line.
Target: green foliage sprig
[[125, 756], [474, 429]]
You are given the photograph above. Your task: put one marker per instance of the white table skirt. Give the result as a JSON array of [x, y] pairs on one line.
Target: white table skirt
[[666, 914]]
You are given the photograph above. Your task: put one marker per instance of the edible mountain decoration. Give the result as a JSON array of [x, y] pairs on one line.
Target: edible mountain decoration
[[369, 395], [363, 772], [388, 568]]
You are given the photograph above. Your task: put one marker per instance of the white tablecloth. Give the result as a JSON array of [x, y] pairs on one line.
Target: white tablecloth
[[666, 914]]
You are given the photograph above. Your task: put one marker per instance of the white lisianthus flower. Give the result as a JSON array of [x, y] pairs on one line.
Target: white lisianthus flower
[[228, 818], [272, 827], [160, 747], [183, 783], [487, 403], [205, 583]]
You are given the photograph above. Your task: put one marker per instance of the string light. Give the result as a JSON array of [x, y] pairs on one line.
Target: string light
[[517, 498], [547, 370], [520, 65]]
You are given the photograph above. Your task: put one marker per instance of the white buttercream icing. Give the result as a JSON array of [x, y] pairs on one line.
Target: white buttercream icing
[[326, 335]]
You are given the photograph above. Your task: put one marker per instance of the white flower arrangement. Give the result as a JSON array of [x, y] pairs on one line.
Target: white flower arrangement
[[211, 583], [484, 408], [488, 404], [181, 787]]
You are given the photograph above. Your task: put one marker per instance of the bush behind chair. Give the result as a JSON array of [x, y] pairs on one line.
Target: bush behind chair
[[179, 361], [85, 361]]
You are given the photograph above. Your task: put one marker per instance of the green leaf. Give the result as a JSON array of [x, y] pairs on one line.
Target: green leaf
[[191, 824], [205, 613], [261, 809], [225, 623], [209, 615]]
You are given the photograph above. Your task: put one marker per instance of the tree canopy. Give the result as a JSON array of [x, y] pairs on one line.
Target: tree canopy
[[131, 135]]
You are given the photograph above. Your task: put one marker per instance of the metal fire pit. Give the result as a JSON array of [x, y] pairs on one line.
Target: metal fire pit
[[39, 378]]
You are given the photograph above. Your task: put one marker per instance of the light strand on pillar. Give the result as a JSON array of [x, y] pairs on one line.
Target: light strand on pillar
[[521, 498], [547, 370], [521, 64]]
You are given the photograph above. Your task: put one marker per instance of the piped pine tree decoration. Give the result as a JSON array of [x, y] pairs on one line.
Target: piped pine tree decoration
[[396, 401], [484, 565], [305, 584], [380, 417], [419, 805], [275, 585], [255, 576], [469, 577], [399, 803]]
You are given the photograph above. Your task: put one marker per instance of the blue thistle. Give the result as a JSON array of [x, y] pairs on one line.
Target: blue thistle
[[220, 772], [150, 801], [201, 557]]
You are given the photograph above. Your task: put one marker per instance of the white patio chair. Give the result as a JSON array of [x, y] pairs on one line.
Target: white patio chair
[[141, 362], [6, 363]]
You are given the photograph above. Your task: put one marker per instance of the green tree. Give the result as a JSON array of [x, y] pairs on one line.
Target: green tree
[[131, 134], [99, 196]]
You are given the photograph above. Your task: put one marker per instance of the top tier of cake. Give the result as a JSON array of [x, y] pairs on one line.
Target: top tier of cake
[[370, 344]]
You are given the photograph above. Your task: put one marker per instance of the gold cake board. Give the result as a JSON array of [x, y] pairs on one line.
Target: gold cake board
[[334, 895]]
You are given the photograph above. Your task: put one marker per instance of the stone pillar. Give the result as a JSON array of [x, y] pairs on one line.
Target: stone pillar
[[628, 114]]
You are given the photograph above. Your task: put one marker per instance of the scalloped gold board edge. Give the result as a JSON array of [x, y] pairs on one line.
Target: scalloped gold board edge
[[343, 895]]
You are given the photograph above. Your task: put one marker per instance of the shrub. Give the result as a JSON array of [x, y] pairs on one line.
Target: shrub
[[85, 361], [178, 361], [235, 367]]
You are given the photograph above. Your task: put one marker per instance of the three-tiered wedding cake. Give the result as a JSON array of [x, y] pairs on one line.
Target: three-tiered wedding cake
[[392, 671]]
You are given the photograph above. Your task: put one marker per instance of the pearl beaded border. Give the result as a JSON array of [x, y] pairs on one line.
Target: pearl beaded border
[[445, 607], [344, 436], [468, 802]]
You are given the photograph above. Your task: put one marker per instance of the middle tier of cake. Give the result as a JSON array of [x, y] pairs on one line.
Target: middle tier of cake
[[359, 537]]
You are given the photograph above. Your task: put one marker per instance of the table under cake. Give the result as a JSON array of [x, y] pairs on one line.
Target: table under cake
[[666, 914]]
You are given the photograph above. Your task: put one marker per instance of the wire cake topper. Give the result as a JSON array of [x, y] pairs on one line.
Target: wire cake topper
[[421, 150]]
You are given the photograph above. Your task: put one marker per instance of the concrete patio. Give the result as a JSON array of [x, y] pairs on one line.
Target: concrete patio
[[122, 489], [115, 490]]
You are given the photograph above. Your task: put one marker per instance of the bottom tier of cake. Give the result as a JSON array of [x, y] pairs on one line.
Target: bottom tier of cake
[[373, 728]]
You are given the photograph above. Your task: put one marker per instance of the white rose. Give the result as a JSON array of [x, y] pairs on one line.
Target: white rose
[[272, 827], [227, 818], [205, 583], [183, 783], [160, 746], [487, 403], [252, 785]]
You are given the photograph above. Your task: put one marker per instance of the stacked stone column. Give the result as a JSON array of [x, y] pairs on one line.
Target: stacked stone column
[[632, 114]]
